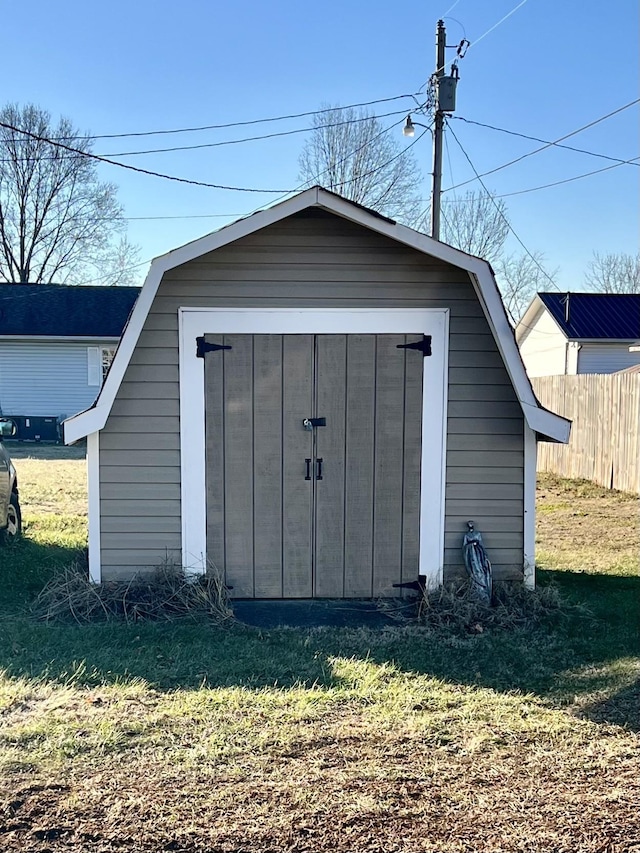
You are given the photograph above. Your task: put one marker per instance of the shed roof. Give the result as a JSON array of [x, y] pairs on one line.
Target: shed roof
[[594, 316], [64, 311], [540, 420]]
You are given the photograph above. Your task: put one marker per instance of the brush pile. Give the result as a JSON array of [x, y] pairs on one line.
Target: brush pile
[[167, 593], [454, 608]]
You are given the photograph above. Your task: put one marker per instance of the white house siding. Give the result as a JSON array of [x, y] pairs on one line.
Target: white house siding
[[606, 358], [312, 260], [42, 378], [543, 347]]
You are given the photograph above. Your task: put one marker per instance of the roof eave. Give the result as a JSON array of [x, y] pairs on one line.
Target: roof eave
[[479, 272]]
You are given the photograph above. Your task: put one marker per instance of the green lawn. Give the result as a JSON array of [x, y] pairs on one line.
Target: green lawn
[[191, 737]]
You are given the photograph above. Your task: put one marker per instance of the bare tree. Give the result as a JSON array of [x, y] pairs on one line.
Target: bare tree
[[350, 152], [477, 224], [614, 273], [519, 277], [58, 222]]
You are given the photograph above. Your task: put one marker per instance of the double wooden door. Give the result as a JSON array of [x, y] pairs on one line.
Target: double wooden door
[[313, 452]]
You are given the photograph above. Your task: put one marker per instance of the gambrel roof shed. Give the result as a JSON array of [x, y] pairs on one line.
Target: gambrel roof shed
[[355, 394]]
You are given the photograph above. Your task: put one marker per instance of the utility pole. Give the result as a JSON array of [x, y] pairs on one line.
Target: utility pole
[[436, 187]]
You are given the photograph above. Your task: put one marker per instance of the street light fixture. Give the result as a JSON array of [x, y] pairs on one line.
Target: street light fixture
[[409, 128]]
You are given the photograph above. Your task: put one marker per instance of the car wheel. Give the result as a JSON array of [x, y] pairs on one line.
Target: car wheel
[[14, 519]]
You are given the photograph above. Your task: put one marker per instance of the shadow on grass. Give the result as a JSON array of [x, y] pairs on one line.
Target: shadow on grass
[[185, 655], [26, 565], [622, 708]]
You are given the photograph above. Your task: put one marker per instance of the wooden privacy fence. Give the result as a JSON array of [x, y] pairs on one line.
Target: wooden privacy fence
[[605, 435]]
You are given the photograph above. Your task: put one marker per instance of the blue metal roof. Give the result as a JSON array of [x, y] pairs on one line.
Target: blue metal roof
[[595, 315], [58, 310]]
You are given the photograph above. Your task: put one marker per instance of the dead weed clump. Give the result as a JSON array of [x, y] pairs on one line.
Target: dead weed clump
[[454, 608], [168, 593]]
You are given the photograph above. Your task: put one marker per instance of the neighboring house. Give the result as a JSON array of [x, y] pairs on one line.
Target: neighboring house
[[56, 345], [314, 400], [569, 333]]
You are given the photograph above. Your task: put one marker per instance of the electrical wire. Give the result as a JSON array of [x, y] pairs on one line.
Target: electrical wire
[[312, 181], [634, 162], [234, 123], [216, 144], [131, 168], [286, 193], [501, 21], [546, 145], [510, 226], [316, 178], [545, 141], [479, 39], [450, 9]]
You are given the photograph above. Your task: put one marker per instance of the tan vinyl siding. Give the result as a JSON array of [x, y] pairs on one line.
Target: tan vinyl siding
[[313, 259]]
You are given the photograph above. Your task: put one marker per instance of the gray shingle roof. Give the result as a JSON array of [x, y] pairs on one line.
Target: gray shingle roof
[[65, 311]]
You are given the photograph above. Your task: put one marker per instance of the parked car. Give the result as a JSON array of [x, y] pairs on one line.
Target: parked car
[[10, 515]]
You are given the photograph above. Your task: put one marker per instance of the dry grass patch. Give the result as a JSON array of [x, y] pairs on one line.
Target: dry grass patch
[[386, 761], [52, 480], [583, 527]]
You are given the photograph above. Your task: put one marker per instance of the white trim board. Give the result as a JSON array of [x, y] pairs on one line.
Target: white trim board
[[194, 322], [93, 488], [548, 424], [530, 460]]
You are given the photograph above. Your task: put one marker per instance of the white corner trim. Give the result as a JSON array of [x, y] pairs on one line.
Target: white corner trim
[[193, 481], [194, 322], [93, 488], [547, 423], [479, 271], [530, 460]]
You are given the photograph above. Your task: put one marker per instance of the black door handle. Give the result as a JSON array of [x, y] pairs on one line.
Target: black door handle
[[308, 464], [318, 469]]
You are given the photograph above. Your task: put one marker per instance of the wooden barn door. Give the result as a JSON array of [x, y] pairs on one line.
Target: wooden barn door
[[313, 449]]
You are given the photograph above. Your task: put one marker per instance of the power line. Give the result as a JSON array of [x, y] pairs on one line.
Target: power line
[[184, 216], [316, 178], [546, 145], [633, 162], [285, 193], [545, 141], [101, 159], [131, 168], [501, 21], [484, 35], [510, 226], [218, 144], [234, 123]]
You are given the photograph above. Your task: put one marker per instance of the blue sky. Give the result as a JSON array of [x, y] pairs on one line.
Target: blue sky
[[546, 70]]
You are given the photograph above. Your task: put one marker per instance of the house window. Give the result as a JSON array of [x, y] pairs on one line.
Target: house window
[[106, 357], [98, 363]]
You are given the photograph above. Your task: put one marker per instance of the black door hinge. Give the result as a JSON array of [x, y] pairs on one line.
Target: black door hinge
[[424, 346], [203, 347]]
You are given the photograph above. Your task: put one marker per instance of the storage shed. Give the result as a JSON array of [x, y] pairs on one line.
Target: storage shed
[[314, 400]]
